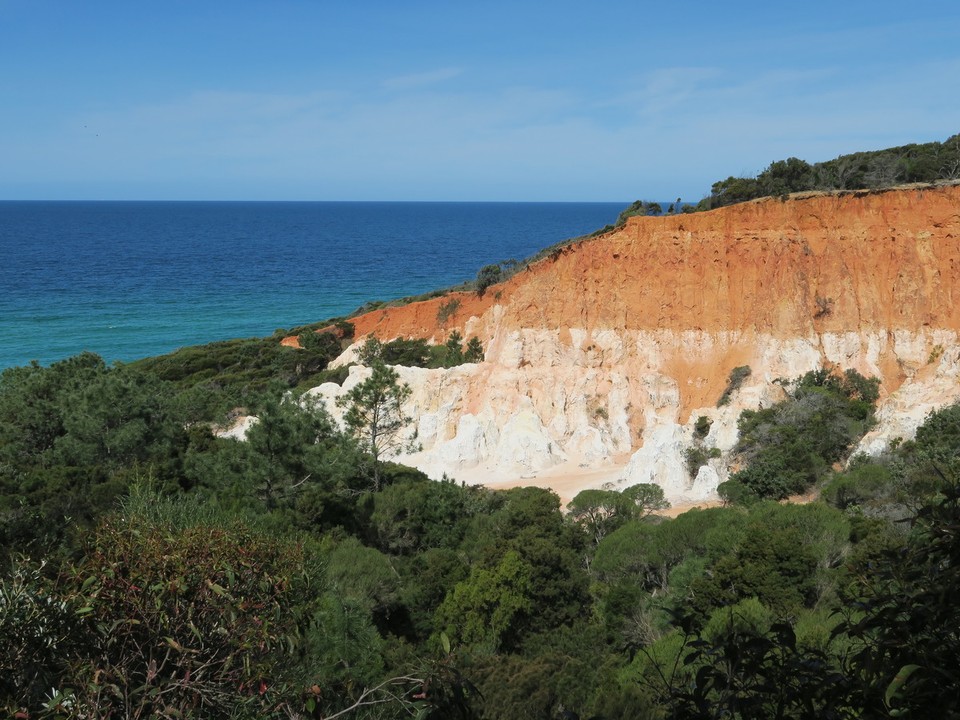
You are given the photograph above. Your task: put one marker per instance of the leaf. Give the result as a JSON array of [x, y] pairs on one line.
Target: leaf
[[218, 589], [445, 643], [893, 689]]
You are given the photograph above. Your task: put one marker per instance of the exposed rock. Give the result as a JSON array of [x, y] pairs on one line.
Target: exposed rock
[[612, 347], [238, 429]]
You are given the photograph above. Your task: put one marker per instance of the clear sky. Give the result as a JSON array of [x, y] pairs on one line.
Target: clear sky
[[455, 99]]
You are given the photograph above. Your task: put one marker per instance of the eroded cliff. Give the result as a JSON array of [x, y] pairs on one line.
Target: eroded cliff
[[602, 356]]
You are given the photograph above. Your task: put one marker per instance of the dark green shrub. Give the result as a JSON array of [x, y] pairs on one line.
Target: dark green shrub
[[793, 444], [488, 275], [474, 353], [737, 376], [345, 328], [454, 346], [697, 457], [409, 352], [701, 428]]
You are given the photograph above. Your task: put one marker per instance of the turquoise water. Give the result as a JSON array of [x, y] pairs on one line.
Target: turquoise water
[[132, 279]]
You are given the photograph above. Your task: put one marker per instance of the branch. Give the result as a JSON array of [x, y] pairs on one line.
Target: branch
[[362, 701]]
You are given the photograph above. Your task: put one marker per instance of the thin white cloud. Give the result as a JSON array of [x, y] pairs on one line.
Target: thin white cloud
[[420, 80], [673, 128]]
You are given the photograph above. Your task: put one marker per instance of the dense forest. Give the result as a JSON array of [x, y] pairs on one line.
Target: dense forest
[[154, 569]]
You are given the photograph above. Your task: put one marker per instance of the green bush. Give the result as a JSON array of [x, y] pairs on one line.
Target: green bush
[[790, 446], [926, 163], [447, 310], [487, 276], [737, 376], [701, 428], [474, 352], [42, 630], [179, 618], [409, 352], [697, 457]]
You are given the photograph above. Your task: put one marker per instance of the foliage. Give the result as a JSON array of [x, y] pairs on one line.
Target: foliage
[[71, 438], [906, 622], [737, 376], [701, 427], [782, 557], [363, 575], [638, 207], [600, 512], [647, 498], [754, 676], [411, 517], [325, 344], [697, 457], [791, 445], [886, 657], [557, 677], [474, 352], [528, 521], [293, 454], [375, 416], [40, 629], [454, 348], [352, 600], [647, 553], [415, 352], [863, 486], [770, 563], [409, 352], [488, 275], [183, 621], [231, 373], [447, 310], [927, 163], [287, 446], [490, 605]]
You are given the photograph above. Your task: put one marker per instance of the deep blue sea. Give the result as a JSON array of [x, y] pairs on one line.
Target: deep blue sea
[[132, 279]]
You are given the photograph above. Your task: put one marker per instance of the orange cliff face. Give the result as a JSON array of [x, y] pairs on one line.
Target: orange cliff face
[[611, 347]]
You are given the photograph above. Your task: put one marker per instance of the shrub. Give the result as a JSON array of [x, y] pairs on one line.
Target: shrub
[[474, 353], [211, 603], [488, 275], [697, 457], [454, 346], [409, 352], [40, 631], [324, 344], [345, 328], [447, 310], [737, 376], [792, 445], [701, 428]]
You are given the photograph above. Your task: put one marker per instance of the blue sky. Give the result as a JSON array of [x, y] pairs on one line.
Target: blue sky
[[416, 100]]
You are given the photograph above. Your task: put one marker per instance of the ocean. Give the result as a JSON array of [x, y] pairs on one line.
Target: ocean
[[128, 280]]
